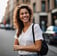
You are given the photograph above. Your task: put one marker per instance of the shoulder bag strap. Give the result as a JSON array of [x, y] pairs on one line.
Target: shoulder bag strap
[[33, 33]]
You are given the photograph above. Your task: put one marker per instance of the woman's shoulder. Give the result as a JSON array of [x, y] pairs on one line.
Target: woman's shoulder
[[36, 25]]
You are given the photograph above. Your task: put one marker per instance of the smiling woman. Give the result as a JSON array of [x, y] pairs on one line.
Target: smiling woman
[[23, 43]]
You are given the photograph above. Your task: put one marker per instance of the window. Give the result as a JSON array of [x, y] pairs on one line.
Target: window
[[34, 7], [17, 0], [43, 0], [43, 6], [55, 3], [27, 0], [48, 4], [33, 20], [23, 0]]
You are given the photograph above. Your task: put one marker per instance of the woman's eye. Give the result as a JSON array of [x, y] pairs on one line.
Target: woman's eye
[[26, 12], [22, 13]]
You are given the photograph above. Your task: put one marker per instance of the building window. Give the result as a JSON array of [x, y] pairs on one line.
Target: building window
[[27, 0], [17, 0], [43, 0], [33, 20], [23, 0], [55, 3], [43, 6], [34, 7], [48, 4]]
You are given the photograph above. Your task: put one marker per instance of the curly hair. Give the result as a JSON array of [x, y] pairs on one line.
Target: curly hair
[[17, 16]]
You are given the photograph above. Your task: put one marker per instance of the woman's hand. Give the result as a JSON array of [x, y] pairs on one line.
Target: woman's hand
[[16, 47]]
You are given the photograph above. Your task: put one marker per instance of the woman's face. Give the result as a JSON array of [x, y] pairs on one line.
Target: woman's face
[[24, 15]]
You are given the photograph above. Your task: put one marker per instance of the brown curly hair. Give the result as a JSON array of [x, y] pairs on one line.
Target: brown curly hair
[[20, 23]]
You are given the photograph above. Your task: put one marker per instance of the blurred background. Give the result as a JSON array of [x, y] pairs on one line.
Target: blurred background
[[45, 14]]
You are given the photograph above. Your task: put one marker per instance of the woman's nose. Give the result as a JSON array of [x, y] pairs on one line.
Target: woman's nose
[[24, 15]]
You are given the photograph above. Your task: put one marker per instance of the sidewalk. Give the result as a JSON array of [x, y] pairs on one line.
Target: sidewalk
[[52, 48]]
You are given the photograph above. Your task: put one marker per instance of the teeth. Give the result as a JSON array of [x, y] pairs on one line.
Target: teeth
[[25, 18]]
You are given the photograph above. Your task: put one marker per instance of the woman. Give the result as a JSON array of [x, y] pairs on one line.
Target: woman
[[24, 39]]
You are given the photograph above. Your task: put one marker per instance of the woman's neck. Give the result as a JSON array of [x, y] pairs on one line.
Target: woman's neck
[[26, 24]]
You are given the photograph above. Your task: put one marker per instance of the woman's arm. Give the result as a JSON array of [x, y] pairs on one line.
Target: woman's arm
[[33, 48], [16, 42]]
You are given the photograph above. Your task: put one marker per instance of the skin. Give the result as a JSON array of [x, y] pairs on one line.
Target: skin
[[24, 16]]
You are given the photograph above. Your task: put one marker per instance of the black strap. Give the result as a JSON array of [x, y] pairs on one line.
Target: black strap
[[33, 33]]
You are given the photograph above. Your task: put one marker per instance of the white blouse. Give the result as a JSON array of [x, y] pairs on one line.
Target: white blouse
[[27, 38]]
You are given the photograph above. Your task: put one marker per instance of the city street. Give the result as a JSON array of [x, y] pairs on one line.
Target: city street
[[7, 41]]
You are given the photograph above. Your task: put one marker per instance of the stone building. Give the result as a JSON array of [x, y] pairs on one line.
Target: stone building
[[45, 11]]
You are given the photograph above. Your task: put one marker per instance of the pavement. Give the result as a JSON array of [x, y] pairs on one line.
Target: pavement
[[53, 49]]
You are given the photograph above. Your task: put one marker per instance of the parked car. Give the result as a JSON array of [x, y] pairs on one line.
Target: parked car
[[7, 26], [51, 34], [2, 26]]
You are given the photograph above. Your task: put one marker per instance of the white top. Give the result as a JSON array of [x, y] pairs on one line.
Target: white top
[[27, 37]]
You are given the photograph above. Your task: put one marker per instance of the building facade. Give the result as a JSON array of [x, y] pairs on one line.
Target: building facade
[[6, 15], [45, 11]]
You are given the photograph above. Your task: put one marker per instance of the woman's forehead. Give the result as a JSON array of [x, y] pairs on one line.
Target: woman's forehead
[[23, 9]]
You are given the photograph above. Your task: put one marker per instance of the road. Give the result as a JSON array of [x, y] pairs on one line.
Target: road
[[7, 41]]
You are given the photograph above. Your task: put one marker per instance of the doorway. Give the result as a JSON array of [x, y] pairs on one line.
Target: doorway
[[43, 23]]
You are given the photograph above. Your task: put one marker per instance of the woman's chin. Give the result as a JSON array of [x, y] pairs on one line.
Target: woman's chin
[[25, 21]]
